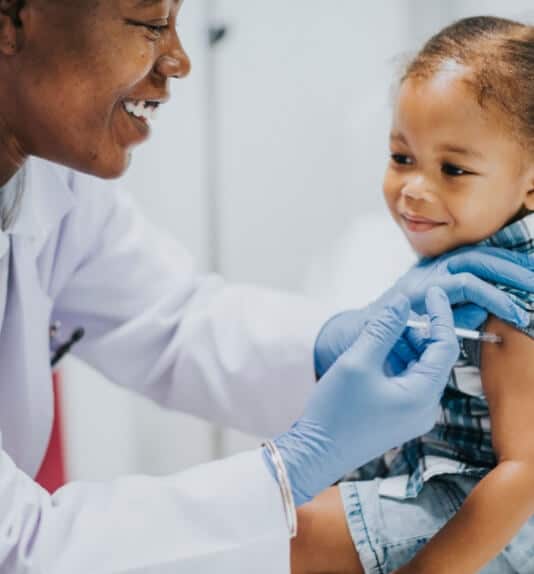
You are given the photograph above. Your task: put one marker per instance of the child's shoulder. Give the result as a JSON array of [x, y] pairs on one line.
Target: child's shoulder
[[518, 236]]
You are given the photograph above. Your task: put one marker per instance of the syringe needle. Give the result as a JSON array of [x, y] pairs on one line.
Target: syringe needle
[[461, 333]]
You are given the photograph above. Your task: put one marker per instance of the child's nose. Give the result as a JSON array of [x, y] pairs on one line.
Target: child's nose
[[418, 188]]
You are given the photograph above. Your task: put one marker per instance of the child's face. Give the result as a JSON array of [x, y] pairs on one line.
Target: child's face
[[456, 174]]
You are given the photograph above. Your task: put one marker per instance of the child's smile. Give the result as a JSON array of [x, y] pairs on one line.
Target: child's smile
[[457, 173]]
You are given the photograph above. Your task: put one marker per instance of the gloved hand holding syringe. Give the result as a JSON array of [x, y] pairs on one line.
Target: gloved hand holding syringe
[[423, 324]]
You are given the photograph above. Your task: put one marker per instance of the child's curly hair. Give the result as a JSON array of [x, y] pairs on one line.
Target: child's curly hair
[[498, 55]]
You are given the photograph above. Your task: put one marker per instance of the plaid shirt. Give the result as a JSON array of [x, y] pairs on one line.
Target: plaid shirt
[[460, 442]]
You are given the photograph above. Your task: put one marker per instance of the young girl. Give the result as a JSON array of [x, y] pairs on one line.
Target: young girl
[[459, 499]]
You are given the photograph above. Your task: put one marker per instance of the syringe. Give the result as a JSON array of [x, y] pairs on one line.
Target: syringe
[[461, 333]]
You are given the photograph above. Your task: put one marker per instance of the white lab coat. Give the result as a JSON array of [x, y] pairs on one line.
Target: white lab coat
[[82, 254]]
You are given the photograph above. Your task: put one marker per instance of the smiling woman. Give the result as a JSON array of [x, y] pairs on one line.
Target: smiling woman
[[82, 77]]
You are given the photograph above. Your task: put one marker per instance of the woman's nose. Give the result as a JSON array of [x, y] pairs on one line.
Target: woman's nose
[[173, 63]]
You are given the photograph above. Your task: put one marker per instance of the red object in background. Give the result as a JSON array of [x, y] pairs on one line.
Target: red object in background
[[52, 473]]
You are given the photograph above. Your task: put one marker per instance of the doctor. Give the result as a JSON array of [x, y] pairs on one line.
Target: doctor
[[79, 80]]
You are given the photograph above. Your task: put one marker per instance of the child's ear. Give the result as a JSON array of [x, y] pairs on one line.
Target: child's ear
[[529, 197], [529, 200]]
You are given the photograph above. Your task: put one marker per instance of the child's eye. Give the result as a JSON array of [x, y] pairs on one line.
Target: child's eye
[[453, 170], [401, 159]]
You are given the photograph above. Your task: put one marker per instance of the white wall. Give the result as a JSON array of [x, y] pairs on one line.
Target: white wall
[[517, 9], [298, 81]]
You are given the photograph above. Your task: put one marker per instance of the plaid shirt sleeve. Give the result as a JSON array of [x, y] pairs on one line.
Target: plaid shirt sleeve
[[518, 236]]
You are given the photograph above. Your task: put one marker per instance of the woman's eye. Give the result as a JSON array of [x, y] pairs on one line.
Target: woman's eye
[[453, 170], [157, 27], [401, 159], [156, 30]]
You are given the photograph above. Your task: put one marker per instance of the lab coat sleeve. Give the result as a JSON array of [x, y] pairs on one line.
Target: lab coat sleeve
[[225, 517], [237, 355]]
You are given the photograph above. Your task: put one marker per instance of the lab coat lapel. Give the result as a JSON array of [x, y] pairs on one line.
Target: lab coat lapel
[[4, 273], [26, 398], [46, 200]]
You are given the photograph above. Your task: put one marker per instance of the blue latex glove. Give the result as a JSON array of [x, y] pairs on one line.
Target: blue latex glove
[[468, 276], [358, 410], [462, 274]]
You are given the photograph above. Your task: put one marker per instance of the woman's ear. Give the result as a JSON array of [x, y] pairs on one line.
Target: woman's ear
[[9, 26]]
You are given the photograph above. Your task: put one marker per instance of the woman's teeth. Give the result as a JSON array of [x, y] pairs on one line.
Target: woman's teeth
[[142, 109]]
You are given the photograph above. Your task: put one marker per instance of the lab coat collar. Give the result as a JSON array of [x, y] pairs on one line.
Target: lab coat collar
[[47, 198]]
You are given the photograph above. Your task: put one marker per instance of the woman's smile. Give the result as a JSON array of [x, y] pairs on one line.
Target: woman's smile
[[143, 109], [131, 129]]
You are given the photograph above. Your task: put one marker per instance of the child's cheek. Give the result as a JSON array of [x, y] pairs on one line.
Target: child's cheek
[[476, 220], [392, 192]]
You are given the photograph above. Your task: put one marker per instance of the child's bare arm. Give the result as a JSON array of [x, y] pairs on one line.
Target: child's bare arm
[[501, 503]]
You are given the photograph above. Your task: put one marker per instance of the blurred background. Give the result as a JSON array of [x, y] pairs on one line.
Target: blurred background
[[267, 165]]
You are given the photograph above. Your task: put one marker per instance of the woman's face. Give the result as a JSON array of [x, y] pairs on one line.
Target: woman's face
[[78, 66], [457, 174]]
